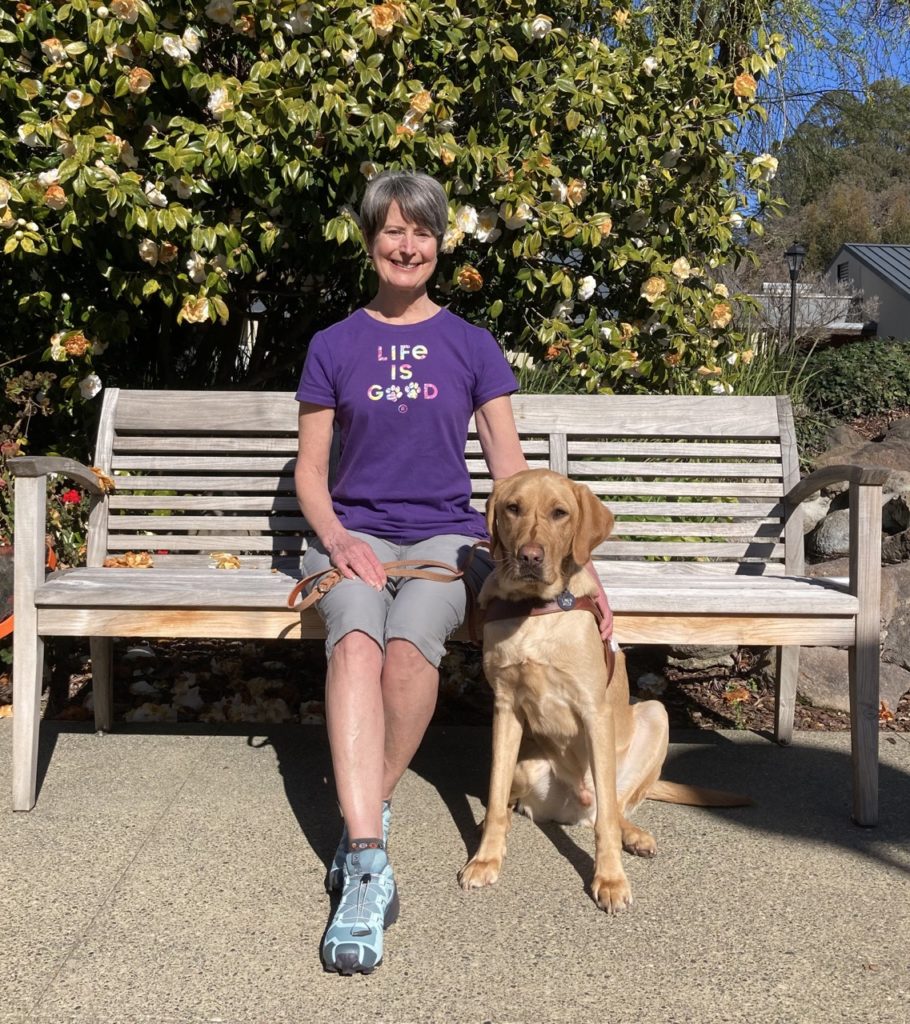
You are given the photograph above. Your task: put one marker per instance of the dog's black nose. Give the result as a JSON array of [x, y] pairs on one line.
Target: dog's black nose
[[531, 555]]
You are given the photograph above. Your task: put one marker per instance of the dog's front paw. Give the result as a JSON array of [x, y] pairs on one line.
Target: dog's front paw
[[638, 841], [613, 895], [479, 872]]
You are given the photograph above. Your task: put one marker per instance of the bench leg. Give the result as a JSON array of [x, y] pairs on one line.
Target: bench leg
[[785, 693], [28, 672], [102, 649], [864, 705]]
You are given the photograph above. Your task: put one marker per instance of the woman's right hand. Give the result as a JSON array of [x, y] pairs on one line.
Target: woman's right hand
[[355, 559]]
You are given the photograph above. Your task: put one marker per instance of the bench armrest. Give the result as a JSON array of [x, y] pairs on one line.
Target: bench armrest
[[30, 466], [860, 476]]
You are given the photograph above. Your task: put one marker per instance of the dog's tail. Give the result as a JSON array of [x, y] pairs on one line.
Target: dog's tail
[[695, 796]]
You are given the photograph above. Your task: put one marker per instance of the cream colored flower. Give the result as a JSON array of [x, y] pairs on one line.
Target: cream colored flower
[[721, 315], [220, 103], [349, 56], [48, 178], [766, 166], [653, 288], [626, 331], [722, 389], [469, 279], [90, 386], [721, 291], [541, 25], [586, 288], [167, 252], [154, 195], [649, 66], [558, 190], [58, 352], [446, 155], [709, 371], [125, 10], [451, 240], [174, 48], [563, 309], [139, 81], [606, 226], [466, 219], [29, 136], [148, 251], [620, 18], [747, 355], [519, 216], [55, 197], [6, 190], [53, 50], [220, 11], [195, 309], [744, 85], [191, 40], [576, 190], [735, 220], [121, 50], [487, 229], [681, 269], [195, 267]]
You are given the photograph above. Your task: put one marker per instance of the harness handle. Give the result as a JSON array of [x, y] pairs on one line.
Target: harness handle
[[407, 568]]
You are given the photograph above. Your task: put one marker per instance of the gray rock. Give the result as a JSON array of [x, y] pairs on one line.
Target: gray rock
[[692, 658], [896, 549], [896, 513], [824, 680], [895, 582], [842, 436], [899, 430], [814, 511], [896, 649], [831, 538]]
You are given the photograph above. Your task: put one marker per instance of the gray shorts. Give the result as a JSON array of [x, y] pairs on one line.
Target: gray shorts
[[422, 611]]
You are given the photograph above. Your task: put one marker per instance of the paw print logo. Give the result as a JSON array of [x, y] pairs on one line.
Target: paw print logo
[[393, 393], [412, 390]]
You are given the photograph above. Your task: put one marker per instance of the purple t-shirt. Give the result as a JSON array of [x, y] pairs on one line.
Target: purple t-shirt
[[403, 395]]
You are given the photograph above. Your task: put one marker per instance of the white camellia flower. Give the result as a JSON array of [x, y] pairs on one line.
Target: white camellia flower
[[466, 219], [154, 195], [541, 26], [721, 291], [6, 191], [649, 65], [191, 40], [175, 48], [58, 352], [148, 252], [735, 220], [28, 136], [681, 269], [220, 11], [195, 267], [487, 229], [558, 190], [219, 103], [586, 288], [48, 178], [90, 386], [518, 218], [53, 50], [563, 309], [451, 240], [75, 99], [767, 166], [349, 56]]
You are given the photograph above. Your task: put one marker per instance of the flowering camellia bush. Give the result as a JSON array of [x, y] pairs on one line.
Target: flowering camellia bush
[[178, 184]]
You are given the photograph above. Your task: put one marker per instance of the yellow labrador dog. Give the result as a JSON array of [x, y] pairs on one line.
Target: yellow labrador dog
[[568, 746]]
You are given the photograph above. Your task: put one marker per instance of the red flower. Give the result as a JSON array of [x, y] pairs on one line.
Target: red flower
[[71, 497]]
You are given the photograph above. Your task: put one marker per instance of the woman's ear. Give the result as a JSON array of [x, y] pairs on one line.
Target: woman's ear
[[595, 524]]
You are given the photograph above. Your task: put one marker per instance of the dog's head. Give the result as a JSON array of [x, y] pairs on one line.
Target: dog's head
[[543, 527]]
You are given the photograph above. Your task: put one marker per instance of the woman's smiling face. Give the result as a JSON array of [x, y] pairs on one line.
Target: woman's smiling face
[[404, 253]]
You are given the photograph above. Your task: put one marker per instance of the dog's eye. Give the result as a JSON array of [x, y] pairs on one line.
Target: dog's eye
[[558, 513], [513, 508]]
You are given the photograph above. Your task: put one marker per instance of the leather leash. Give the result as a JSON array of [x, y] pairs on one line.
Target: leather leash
[[407, 568]]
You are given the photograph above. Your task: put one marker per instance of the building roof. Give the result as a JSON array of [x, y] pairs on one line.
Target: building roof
[[890, 262]]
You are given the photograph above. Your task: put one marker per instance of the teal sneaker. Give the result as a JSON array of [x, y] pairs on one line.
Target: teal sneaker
[[368, 905], [334, 879]]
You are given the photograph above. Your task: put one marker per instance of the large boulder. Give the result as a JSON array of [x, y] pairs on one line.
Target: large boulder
[[824, 679]]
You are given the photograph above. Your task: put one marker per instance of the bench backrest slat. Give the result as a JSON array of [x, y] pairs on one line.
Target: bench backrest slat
[[689, 479]]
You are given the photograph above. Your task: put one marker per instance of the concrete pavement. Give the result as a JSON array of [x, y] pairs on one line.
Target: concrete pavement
[[175, 876]]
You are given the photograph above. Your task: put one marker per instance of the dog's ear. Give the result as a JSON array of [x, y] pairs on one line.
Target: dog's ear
[[595, 524], [491, 518]]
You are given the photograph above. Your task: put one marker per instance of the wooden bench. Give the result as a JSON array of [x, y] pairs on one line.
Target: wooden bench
[[708, 547]]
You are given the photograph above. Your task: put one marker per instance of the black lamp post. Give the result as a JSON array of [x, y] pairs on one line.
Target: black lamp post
[[794, 257]]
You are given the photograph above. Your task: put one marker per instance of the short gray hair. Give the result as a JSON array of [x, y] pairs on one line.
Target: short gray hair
[[420, 198]]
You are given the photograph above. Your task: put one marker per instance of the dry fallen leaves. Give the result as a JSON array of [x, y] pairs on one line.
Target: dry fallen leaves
[[104, 481], [223, 560], [885, 714], [130, 560], [737, 695], [6, 710]]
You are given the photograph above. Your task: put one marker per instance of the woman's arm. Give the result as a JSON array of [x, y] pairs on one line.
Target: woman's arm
[[499, 437], [353, 557]]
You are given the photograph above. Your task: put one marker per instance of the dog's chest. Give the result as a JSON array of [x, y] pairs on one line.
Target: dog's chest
[[541, 672]]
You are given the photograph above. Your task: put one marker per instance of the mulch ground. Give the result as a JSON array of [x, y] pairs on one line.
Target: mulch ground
[[268, 682]]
